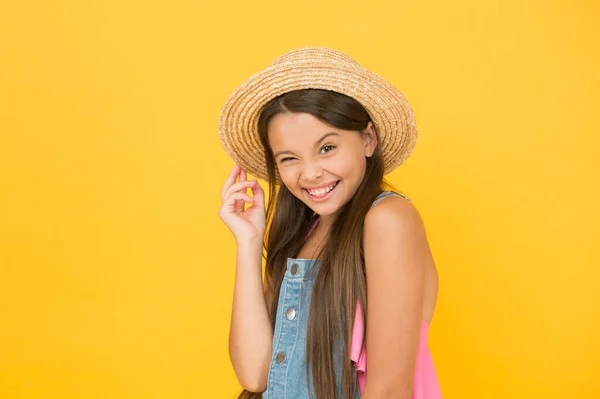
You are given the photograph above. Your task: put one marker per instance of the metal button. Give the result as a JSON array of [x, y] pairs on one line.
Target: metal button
[[290, 314], [280, 358], [294, 270]]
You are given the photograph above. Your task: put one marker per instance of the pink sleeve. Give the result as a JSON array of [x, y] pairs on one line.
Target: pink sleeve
[[426, 385], [358, 354]]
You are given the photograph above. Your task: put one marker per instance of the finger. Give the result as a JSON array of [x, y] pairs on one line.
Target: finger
[[239, 187], [233, 201], [258, 195], [242, 176], [230, 180]]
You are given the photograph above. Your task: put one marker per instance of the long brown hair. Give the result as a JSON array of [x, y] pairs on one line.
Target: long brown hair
[[341, 279]]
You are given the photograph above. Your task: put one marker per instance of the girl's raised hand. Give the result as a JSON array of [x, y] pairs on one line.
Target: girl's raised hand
[[245, 224]]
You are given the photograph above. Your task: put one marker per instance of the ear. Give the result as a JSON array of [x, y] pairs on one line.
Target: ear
[[370, 139]]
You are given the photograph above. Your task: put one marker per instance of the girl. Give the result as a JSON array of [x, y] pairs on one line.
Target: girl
[[348, 267]]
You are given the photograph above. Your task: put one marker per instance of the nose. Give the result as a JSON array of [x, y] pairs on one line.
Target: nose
[[312, 171]]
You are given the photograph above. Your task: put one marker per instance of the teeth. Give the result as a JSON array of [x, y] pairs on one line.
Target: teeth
[[322, 191]]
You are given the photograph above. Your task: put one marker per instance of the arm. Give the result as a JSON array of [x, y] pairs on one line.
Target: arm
[[396, 252], [250, 335]]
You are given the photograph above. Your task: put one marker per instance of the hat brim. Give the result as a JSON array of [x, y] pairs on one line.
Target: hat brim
[[389, 111]]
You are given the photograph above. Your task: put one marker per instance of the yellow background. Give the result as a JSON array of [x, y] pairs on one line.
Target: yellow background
[[116, 274]]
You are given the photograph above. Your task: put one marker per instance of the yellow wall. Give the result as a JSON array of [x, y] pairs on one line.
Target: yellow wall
[[116, 275]]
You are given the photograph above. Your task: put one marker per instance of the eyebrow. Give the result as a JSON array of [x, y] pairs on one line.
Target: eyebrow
[[278, 153]]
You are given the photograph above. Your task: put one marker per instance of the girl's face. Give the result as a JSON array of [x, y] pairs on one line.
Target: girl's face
[[321, 165]]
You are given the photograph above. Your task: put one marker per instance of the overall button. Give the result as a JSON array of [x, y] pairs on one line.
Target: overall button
[[280, 358], [290, 314], [294, 270]]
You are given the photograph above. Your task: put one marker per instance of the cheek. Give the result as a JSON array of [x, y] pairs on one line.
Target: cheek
[[289, 176], [346, 165]]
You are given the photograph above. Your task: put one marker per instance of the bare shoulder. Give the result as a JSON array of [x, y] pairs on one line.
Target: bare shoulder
[[394, 226], [396, 257], [394, 229], [396, 250], [394, 215]]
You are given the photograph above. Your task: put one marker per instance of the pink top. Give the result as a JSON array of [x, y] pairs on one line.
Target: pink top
[[426, 385]]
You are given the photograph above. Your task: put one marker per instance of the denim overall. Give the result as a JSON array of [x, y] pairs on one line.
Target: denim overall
[[287, 373]]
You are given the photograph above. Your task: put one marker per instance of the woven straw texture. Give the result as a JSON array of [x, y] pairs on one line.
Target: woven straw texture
[[315, 68]]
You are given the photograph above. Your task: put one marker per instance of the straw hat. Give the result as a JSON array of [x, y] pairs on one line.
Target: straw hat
[[315, 68]]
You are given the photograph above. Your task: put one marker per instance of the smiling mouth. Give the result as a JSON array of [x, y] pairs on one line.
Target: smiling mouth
[[322, 192]]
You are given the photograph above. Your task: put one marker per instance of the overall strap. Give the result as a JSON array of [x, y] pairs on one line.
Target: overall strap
[[385, 194], [381, 196]]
